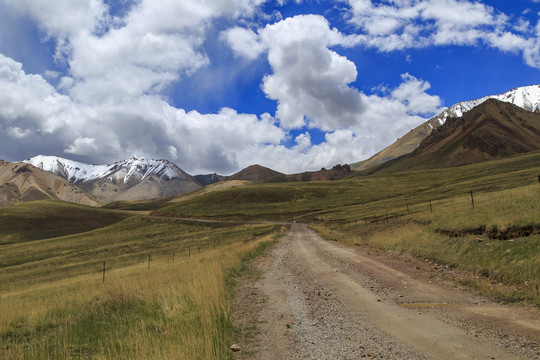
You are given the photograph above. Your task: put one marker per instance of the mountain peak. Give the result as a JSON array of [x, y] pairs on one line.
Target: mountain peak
[[77, 172], [491, 130], [20, 182], [133, 178], [526, 97], [254, 173]]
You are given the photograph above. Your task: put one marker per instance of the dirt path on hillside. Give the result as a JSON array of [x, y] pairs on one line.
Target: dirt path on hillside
[[312, 299]]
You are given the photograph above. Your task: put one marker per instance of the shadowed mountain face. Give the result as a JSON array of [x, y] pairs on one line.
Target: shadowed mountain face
[[20, 182], [527, 98], [492, 130], [209, 179], [336, 173]]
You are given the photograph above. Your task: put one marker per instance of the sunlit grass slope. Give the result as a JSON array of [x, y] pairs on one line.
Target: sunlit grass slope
[[51, 218], [362, 195], [54, 303], [496, 244], [427, 213]]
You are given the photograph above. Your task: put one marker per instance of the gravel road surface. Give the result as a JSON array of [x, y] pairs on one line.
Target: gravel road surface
[[307, 298]]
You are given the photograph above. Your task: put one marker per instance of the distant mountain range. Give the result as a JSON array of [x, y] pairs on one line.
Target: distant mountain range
[[20, 182], [492, 130], [131, 179], [468, 132], [527, 98]]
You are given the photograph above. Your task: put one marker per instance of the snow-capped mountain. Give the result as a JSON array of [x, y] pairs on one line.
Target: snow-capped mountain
[[139, 169], [20, 182], [527, 98], [124, 180]]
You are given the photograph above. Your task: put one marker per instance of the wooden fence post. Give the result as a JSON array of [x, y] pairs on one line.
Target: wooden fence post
[[472, 199], [149, 260], [430, 207], [103, 271]]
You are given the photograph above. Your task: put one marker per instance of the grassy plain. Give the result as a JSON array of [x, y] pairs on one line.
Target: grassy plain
[[51, 218], [426, 213], [54, 303], [359, 196]]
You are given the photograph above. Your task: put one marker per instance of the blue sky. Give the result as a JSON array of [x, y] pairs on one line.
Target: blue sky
[[218, 85]]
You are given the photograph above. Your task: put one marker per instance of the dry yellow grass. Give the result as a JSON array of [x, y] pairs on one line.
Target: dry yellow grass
[[174, 310], [505, 268]]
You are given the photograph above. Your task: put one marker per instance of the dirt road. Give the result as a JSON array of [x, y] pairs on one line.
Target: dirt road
[[312, 299]]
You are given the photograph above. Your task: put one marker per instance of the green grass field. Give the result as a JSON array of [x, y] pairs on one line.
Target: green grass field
[[54, 303], [496, 244]]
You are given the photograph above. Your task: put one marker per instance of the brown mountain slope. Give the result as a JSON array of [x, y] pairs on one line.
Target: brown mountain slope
[[151, 187], [527, 98], [492, 130], [20, 182], [336, 173], [404, 145], [254, 173]]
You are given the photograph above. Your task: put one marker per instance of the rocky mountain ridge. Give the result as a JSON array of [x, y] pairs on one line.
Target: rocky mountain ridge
[[527, 98], [131, 179], [21, 182], [492, 130]]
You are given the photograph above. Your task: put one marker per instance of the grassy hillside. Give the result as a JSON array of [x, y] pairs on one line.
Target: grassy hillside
[[51, 218], [166, 292], [168, 285], [493, 247], [361, 195], [139, 205], [425, 213]]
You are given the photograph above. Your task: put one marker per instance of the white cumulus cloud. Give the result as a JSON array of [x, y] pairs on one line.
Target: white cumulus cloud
[[310, 82], [394, 25]]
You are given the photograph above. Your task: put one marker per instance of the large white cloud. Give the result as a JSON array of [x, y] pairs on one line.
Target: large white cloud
[[393, 25], [310, 82], [154, 44], [111, 102], [34, 116], [385, 118]]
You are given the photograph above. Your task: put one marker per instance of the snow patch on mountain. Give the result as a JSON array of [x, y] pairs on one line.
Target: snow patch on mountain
[[77, 172], [527, 97]]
